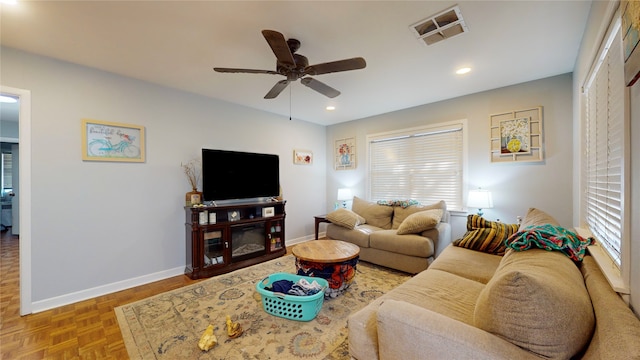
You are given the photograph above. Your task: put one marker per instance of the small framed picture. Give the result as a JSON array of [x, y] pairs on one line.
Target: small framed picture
[[345, 154], [203, 218], [212, 218], [234, 215], [302, 157], [195, 199], [268, 211]]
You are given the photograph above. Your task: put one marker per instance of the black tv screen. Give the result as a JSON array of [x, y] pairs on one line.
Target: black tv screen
[[231, 175]]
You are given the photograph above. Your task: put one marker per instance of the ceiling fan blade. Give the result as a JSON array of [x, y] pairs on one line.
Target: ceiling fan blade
[[280, 48], [336, 66], [277, 89], [249, 71], [320, 87]]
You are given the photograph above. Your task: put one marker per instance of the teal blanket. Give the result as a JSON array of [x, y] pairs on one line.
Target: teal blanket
[[549, 237]]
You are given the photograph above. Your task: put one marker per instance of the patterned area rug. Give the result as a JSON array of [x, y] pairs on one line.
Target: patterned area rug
[[169, 325]]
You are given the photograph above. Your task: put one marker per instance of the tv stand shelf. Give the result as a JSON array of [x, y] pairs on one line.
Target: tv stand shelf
[[220, 239]]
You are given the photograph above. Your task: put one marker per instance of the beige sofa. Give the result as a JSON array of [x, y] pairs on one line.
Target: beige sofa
[[470, 304], [406, 238]]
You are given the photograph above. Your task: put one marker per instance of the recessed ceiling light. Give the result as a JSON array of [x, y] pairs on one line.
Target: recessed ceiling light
[[8, 99], [330, 108], [463, 70]]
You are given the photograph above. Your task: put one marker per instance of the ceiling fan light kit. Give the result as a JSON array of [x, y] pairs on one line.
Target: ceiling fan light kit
[[441, 26], [295, 66]]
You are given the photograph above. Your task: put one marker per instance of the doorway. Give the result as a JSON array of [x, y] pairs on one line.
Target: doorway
[[21, 187]]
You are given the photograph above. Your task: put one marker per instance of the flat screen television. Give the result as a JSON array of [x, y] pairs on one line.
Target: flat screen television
[[234, 175]]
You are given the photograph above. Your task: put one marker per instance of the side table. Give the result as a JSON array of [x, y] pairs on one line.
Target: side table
[[320, 219]]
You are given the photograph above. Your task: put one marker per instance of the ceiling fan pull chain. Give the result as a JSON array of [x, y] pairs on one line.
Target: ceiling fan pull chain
[[290, 102]]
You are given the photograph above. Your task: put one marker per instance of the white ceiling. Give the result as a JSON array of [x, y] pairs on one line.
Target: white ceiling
[[177, 44]]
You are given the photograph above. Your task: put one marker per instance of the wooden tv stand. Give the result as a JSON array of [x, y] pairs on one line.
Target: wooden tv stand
[[220, 239]]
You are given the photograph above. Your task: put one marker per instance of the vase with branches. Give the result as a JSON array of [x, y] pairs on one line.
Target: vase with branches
[[192, 170]]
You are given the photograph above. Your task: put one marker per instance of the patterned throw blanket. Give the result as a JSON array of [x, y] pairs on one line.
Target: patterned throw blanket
[[549, 237], [402, 203]]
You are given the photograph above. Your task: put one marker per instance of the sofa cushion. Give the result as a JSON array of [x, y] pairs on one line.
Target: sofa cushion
[[358, 236], [374, 214], [345, 218], [420, 221], [410, 244], [400, 213], [537, 217], [537, 300], [473, 265], [486, 236]]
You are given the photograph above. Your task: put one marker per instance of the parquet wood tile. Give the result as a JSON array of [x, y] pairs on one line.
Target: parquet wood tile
[[85, 330]]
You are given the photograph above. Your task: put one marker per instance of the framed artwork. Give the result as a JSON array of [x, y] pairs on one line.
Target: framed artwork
[[302, 157], [630, 38], [110, 141], [516, 136], [345, 154]]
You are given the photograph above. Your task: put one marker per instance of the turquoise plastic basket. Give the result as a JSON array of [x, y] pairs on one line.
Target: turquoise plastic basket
[[300, 308]]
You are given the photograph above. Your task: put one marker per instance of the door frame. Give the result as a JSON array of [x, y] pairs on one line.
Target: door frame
[[24, 171]]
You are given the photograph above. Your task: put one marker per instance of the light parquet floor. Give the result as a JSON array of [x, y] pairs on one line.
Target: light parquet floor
[[84, 330]]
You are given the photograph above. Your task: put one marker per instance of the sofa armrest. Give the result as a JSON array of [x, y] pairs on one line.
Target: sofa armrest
[[407, 331], [444, 238]]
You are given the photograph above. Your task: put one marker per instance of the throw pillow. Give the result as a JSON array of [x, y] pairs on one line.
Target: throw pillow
[[400, 213], [537, 217], [345, 218], [375, 215], [486, 236], [537, 300], [420, 221]]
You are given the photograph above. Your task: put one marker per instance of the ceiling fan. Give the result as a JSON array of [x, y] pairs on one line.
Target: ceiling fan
[[295, 66]]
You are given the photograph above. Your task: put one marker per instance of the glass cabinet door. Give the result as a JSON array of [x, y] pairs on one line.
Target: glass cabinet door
[[276, 234], [213, 248]]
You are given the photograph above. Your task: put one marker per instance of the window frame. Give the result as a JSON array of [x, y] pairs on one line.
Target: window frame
[[618, 276]]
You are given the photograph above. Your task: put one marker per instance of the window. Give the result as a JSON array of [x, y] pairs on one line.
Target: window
[[6, 186], [424, 164], [605, 142]]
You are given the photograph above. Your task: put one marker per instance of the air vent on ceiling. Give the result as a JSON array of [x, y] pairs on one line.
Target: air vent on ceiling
[[444, 25]]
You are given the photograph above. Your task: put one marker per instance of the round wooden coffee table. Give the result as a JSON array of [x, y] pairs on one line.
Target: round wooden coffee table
[[333, 260]]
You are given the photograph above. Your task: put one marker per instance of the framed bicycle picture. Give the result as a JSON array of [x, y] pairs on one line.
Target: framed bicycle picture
[[110, 141]]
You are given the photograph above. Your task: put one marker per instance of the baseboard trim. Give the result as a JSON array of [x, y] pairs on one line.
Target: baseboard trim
[[54, 302]]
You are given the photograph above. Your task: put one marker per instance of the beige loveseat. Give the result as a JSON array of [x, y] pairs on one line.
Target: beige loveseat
[[406, 238], [470, 304]]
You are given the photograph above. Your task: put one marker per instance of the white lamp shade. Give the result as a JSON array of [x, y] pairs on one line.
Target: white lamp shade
[[480, 199], [344, 194]]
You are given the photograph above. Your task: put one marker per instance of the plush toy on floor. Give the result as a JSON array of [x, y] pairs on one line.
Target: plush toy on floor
[[233, 329], [208, 339]]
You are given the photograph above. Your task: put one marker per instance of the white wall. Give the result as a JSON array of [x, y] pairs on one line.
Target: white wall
[[515, 187], [97, 223]]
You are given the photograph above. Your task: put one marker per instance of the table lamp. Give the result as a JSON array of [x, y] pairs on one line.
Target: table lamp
[[480, 199], [344, 194]]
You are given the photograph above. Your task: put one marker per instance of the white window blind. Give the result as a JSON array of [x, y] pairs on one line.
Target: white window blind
[[422, 164], [603, 159]]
